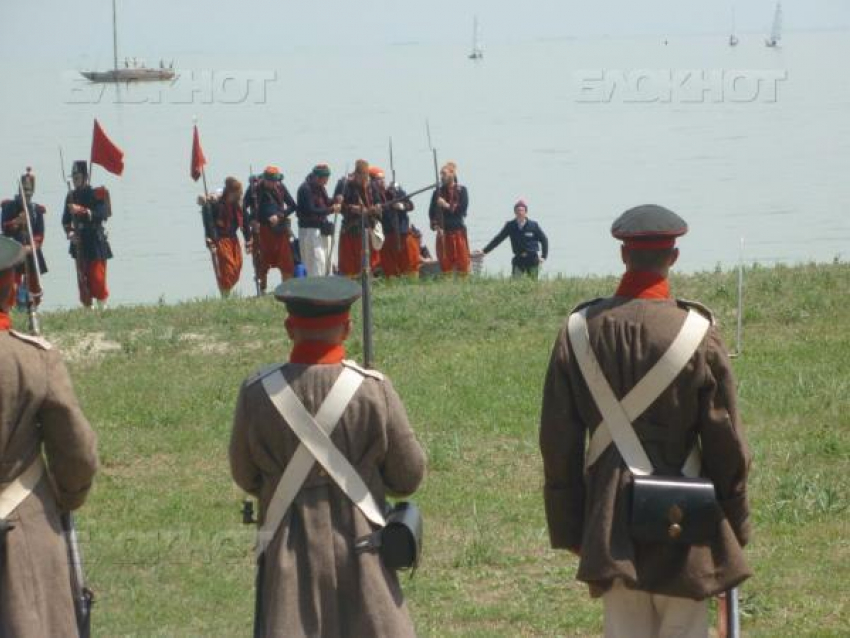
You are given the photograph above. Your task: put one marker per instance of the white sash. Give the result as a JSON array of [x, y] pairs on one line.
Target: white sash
[[617, 416], [316, 446]]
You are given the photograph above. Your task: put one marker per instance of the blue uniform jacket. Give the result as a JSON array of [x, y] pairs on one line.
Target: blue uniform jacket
[[525, 242], [394, 220]]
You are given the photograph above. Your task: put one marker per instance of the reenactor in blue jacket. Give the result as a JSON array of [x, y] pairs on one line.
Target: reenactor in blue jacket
[[84, 219], [15, 226], [527, 241]]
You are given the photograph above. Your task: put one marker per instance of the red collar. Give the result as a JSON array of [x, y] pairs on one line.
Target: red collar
[[5, 322], [317, 352], [643, 285]]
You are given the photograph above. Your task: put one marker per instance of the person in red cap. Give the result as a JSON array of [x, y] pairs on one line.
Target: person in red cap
[[359, 198], [646, 378], [223, 218], [313, 580], [447, 213], [400, 252], [274, 207], [527, 239]]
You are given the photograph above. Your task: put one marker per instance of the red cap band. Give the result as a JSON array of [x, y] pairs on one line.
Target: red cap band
[[317, 323], [651, 244]]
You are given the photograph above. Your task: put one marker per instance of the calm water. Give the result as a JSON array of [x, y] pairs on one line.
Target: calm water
[[528, 121]]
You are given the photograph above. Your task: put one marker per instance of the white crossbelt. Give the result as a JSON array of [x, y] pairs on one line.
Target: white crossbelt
[[316, 446], [18, 490], [617, 416]]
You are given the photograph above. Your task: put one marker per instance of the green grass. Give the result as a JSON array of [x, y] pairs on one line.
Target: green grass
[[167, 554]]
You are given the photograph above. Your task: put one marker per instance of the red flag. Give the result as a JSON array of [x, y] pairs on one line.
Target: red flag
[[105, 153], [198, 159]]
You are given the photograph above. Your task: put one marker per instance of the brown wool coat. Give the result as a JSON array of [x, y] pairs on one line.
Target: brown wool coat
[[39, 414], [315, 585], [590, 509]]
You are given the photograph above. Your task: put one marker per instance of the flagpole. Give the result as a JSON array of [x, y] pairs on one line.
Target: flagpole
[[214, 248]]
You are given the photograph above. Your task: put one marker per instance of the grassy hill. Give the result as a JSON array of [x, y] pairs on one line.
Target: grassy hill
[[168, 556]]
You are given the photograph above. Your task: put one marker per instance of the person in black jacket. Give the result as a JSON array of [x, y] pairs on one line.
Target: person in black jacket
[[315, 229], [527, 241], [15, 227], [84, 220]]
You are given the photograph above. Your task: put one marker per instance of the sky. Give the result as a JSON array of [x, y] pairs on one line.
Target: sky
[[168, 28]]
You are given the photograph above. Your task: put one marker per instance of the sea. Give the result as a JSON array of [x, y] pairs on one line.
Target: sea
[[750, 144]]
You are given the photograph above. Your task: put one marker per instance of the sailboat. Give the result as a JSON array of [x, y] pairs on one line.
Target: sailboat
[[129, 72], [733, 37], [477, 48], [776, 31]]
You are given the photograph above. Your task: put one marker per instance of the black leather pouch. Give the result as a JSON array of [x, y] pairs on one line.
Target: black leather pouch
[[670, 509], [399, 542]]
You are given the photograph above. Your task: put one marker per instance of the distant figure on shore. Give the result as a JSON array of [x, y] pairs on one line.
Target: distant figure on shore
[[424, 253], [655, 546], [48, 459], [15, 226], [527, 240], [360, 200], [223, 218], [400, 254], [315, 228], [270, 221], [449, 205], [313, 580], [84, 220]]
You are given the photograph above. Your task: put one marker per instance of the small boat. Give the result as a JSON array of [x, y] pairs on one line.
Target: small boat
[[139, 74], [477, 48], [129, 73], [776, 30]]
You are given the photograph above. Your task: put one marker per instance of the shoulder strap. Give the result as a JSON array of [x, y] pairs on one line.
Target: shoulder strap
[[39, 342], [315, 445], [18, 490], [615, 417], [654, 383]]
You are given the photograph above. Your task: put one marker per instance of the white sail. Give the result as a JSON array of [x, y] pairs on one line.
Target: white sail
[[776, 30]]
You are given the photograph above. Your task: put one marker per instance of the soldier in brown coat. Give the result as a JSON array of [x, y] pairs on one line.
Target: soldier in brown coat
[[648, 589], [312, 581], [47, 462]]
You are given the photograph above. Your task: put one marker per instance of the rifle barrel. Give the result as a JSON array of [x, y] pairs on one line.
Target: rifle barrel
[[33, 270]]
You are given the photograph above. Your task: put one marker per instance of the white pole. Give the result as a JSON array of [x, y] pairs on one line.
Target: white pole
[[740, 332]]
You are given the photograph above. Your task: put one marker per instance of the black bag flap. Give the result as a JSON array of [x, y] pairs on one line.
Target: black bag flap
[[673, 510]]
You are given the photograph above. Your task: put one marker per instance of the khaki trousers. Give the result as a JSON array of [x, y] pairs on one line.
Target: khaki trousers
[[636, 614]]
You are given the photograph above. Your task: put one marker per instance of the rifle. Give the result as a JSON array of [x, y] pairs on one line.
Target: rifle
[[441, 215], [214, 248], [366, 285], [256, 256], [729, 615], [83, 596], [31, 268], [404, 198], [396, 223], [336, 218], [248, 518], [82, 276]]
